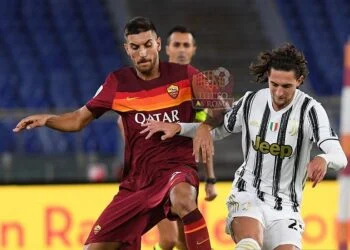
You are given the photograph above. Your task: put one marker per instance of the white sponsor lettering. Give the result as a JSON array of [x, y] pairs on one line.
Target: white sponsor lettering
[[166, 118], [172, 116]]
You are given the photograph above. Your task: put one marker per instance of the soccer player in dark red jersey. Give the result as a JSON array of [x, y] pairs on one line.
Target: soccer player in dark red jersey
[[181, 47], [160, 177]]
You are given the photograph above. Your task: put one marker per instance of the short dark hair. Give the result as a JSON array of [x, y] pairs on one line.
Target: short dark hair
[[180, 29], [285, 58], [137, 25]]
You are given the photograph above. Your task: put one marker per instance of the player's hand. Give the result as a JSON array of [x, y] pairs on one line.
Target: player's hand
[[203, 144], [169, 129], [316, 170], [210, 192], [32, 121]]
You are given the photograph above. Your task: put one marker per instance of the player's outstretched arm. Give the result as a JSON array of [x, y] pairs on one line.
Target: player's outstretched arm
[[333, 157], [316, 170], [169, 129], [68, 122], [203, 143]]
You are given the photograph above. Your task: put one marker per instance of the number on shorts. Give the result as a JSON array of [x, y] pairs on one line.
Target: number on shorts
[[295, 225]]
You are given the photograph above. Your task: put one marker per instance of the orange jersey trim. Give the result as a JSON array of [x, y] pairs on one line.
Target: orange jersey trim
[[161, 100], [195, 229]]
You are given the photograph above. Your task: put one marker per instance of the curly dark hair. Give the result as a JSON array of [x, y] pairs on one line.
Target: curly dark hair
[[285, 58]]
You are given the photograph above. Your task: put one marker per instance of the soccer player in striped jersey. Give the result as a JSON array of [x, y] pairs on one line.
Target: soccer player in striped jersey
[[160, 179], [279, 124]]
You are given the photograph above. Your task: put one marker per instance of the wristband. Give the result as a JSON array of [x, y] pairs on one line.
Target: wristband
[[210, 180]]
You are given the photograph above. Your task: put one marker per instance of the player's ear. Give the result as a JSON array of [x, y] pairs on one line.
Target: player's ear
[[159, 43], [300, 80]]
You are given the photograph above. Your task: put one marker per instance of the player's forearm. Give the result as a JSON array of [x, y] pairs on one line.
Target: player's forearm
[[67, 122], [334, 154], [189, 130]]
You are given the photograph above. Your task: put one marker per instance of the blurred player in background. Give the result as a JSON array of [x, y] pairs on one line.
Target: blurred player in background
[[278, 125], [344, 208], [160, 178], [181, 47]]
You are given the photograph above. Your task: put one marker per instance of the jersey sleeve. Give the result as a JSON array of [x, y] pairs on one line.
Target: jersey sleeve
[[234, 118], [334, 154], [103, 99], [319, 126]]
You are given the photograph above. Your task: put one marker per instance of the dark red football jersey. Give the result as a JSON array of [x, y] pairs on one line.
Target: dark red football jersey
[[167, 98]]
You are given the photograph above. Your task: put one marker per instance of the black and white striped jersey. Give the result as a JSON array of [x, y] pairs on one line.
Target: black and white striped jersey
[[276, 144]]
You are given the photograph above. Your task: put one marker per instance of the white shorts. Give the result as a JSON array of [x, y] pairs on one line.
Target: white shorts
[[280, 226], [344, 198]]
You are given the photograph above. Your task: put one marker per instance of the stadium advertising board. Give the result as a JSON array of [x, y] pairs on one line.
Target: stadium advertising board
[[60, 217]]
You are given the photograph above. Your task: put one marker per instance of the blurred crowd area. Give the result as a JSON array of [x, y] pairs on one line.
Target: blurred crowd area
[[56, 53]]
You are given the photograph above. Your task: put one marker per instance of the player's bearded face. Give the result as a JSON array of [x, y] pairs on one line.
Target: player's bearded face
[[181, 48], [143, 49], [282, 85]]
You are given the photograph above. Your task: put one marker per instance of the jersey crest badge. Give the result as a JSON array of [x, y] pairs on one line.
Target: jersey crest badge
[[173, 91], [273, 126], [254, 123], [293, 127]]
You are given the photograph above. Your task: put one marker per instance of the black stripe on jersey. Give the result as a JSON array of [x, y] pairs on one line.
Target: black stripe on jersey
[[304, 179], [246, 111], [261, 195], [232, 119], [293, 195], [281, 138], [241, 185], [314, 123], [333, 134], [259, 155], [278, 203]]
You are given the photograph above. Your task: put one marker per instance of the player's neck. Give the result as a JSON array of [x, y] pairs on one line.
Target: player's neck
[[153, 74]]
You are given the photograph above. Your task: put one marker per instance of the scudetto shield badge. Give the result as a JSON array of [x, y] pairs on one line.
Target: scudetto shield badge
[[173, 91]]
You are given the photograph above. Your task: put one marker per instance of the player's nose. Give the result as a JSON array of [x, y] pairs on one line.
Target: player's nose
[[279, 91], [143, 52]]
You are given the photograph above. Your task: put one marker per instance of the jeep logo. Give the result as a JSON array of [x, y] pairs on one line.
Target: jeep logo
[[275, 149]]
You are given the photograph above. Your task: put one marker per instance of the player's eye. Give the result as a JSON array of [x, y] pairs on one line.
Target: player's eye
[[134, 47], [148, 44], [186, 45], [176, 45]]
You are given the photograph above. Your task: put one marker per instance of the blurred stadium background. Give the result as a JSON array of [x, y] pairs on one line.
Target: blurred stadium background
[[54, 55]]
